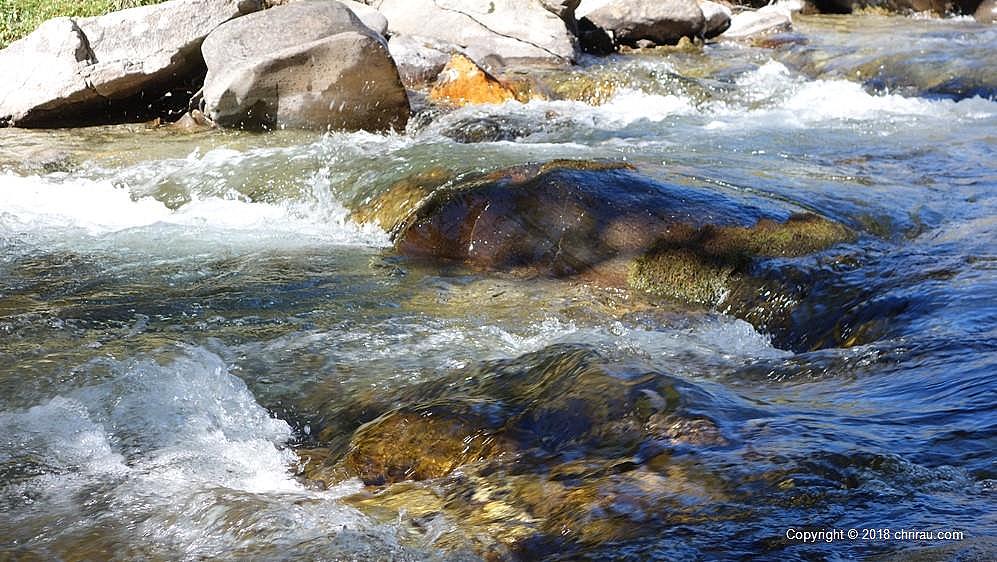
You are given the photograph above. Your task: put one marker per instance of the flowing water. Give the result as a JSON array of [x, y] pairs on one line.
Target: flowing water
[[184, 317]]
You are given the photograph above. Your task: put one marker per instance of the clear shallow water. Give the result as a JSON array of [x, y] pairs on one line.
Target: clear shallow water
[[182, 316]]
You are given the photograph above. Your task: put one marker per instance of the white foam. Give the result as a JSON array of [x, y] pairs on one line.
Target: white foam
[[76, 211], [772, 96], [180, 452], [629, 106], [788, 100]]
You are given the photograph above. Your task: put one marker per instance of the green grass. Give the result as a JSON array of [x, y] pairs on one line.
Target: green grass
[[20, 17]]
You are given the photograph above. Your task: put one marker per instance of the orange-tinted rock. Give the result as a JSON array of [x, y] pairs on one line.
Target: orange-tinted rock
[[463, 82]]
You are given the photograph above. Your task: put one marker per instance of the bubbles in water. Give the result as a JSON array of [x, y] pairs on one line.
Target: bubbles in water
[[179, 454]]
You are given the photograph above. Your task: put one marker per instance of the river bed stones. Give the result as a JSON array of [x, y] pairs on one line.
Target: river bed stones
[[629, 22], [556, 444], [123, 66], [324, 70], [462, 82]]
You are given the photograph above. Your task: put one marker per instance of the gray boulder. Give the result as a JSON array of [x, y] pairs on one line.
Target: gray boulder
[[770, 19], [513, 30], [368, 15], [420, 60], [662, 22], [324, 69], [93, 70], [717, 17], [986, 12]]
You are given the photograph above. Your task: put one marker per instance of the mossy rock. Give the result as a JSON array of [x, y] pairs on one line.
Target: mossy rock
[[561, 400], [575, 506], [419, 444], [391, 208], [711, 265]]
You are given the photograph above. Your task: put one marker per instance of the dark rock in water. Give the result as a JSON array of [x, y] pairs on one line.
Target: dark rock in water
[[561, 217], [609, 225], [86, 71], [324, 70], [569, 217], [555, 445], [486, 129], [563, 400]]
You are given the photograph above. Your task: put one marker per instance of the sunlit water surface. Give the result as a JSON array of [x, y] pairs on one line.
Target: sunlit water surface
[[178, 314]]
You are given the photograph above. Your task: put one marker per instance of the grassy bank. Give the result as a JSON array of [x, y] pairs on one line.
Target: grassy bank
[[20, 17]]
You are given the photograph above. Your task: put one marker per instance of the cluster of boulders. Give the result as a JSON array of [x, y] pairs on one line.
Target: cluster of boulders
[[326, 64]]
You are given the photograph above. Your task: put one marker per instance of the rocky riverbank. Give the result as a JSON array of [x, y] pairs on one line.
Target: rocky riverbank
[[344, 66]]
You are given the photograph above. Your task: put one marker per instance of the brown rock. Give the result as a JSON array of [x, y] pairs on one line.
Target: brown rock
[[463, 82], [418, 444]]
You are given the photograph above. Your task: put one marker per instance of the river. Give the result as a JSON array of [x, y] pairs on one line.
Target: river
[[188, 320]]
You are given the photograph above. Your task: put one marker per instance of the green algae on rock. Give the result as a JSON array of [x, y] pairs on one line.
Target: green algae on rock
[[701, 265]]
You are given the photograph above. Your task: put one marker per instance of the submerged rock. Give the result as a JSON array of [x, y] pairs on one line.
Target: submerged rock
[[605, 210], [325, 69], [513, 30], [699, 264], [628, 22], [548, 445], [462, 82], [419, 444], [118, 67], [604, 223], [563, 398]]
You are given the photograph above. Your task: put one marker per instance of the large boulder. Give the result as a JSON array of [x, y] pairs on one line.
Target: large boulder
[[613, 227], [717, 17], [770, 19], [663, 22], [324, 69], [73, 71], [513, 30], [419, 59], [368, 15]]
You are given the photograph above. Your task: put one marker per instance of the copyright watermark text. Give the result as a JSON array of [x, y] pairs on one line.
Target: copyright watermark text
[[870, 534]]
